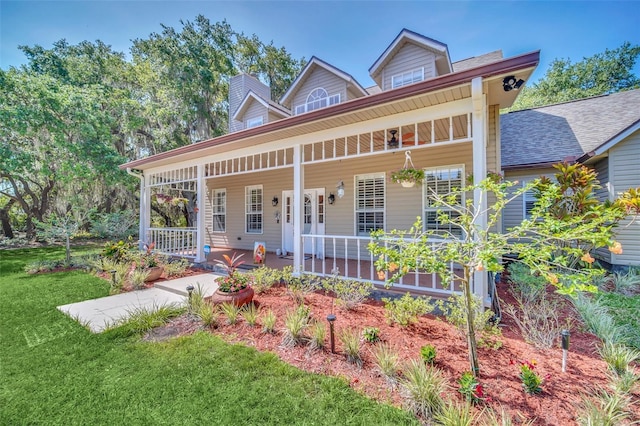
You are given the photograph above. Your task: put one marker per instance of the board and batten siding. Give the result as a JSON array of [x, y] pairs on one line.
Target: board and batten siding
[[624, 162], [513, 212], [410, 57], [320, 78]]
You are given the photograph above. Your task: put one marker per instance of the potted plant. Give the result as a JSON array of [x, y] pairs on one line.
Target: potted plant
[[407, 176], [150, 261], [235, 287]]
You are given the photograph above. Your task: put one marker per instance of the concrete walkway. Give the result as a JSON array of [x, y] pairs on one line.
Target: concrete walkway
[[100, 314]]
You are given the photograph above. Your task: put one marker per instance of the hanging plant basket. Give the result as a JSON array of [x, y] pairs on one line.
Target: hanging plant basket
[[408, 175]]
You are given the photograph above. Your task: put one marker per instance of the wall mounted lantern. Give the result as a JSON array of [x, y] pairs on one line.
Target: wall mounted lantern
[[332, 198], [274, 202]]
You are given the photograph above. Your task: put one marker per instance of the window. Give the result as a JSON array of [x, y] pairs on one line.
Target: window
[[410, 77], [255, 121], [369, 203], [318, 98], [253, 209], [219, 210], [441, 181], [528, 202]]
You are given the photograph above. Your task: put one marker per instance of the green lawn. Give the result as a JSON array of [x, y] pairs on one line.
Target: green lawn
[[53, 371]]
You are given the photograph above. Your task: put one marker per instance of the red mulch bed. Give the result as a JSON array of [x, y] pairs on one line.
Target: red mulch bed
[[556, 405]]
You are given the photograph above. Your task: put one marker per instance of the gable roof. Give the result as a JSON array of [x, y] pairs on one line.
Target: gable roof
[[477, 61], [408, 36], [308, 69], [268, 104], [569, 130]]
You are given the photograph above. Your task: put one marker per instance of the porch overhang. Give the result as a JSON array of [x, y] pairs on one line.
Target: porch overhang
[[439, 90]]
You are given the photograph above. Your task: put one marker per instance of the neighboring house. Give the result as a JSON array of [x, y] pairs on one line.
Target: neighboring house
[[602, 132], [315, 183]]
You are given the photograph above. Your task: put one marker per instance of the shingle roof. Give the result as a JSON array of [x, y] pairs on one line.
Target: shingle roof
[[556, 132], [477, 61]]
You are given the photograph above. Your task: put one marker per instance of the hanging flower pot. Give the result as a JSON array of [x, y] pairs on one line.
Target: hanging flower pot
[[407, 184], [408, 175]]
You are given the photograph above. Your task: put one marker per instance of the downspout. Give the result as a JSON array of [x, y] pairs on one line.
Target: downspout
[[142, 213]]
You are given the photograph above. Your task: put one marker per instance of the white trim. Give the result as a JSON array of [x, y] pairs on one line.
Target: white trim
[[356, 210], [425, 195], [330, 68], [617, 139], [254, 122], [214, 214], [329, 101], [480, 201], [260, 211], [200, 216], [297, 207], [402, 75], [525, 198], [265, 103]]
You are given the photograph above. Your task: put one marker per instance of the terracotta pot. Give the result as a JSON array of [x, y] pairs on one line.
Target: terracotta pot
[[154, 273], [239, 298]]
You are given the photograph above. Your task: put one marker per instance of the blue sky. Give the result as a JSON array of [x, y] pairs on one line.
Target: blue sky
[[348, 34]]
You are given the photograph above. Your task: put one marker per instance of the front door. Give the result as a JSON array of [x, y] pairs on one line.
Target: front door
[[313, 216]]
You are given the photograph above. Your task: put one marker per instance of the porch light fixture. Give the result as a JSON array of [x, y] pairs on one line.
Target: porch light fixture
[[274, 202], [332, 198], [340, 189], [393, 142], [510, 83]]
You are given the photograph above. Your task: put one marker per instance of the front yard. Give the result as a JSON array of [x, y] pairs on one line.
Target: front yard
[[53, 371]]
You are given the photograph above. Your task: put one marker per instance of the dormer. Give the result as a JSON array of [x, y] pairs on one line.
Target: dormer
[[320, 85], [409, 59], [255, 111]]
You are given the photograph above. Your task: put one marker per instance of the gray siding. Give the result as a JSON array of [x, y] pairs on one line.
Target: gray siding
[[320, 77], [513, 213], [602, 168], [409, 58], [239, 86], [625, 162]]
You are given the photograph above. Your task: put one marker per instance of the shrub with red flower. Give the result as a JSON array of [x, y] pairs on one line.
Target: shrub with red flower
[[234, 281]]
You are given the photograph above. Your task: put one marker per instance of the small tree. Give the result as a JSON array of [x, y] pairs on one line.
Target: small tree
[[57, 228], [479, 249]]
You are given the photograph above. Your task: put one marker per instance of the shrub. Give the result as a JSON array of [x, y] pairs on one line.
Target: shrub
[[351, 345], [624, 383], [371, 334], [143, 319], [118, 225], [196, 300], [531, 381], [456, 414], [455, 312], [295, 326], [137, 277], [470, 388], [250, 313], [405, 310], [264, 278], [207, 314], [119, 250], [349, 293], [525, 285], [627, 283], [299, 287], [318, 331], [538, 320], [422, 387], [597, 319], [269, 322], [231, 311], [604, 409], [387, 362], [618, 357], [428, 354], [175, 267], [489, 418]]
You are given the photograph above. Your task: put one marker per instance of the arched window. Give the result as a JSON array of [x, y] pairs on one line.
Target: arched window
[[317, 99]]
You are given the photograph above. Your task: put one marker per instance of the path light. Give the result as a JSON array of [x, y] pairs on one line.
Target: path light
[[190, 289], [331, 318], [113, 277], [565, 348]]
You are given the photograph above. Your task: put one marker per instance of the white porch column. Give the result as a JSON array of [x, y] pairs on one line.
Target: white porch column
[[298, 208], [200, 225], [479, 173], [145, 210]]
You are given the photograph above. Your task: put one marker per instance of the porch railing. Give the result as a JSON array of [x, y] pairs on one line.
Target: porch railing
[[174, 241], [349, 257]]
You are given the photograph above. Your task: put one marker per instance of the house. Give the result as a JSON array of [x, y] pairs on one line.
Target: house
[[602, 132], [308, 177]]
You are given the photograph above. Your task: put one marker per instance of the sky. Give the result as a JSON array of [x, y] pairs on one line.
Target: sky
[[350, 35]]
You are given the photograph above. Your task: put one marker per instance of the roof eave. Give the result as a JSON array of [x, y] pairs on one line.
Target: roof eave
[[523, 61]]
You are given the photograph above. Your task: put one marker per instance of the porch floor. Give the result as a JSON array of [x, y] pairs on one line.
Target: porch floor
[[415, 283]]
